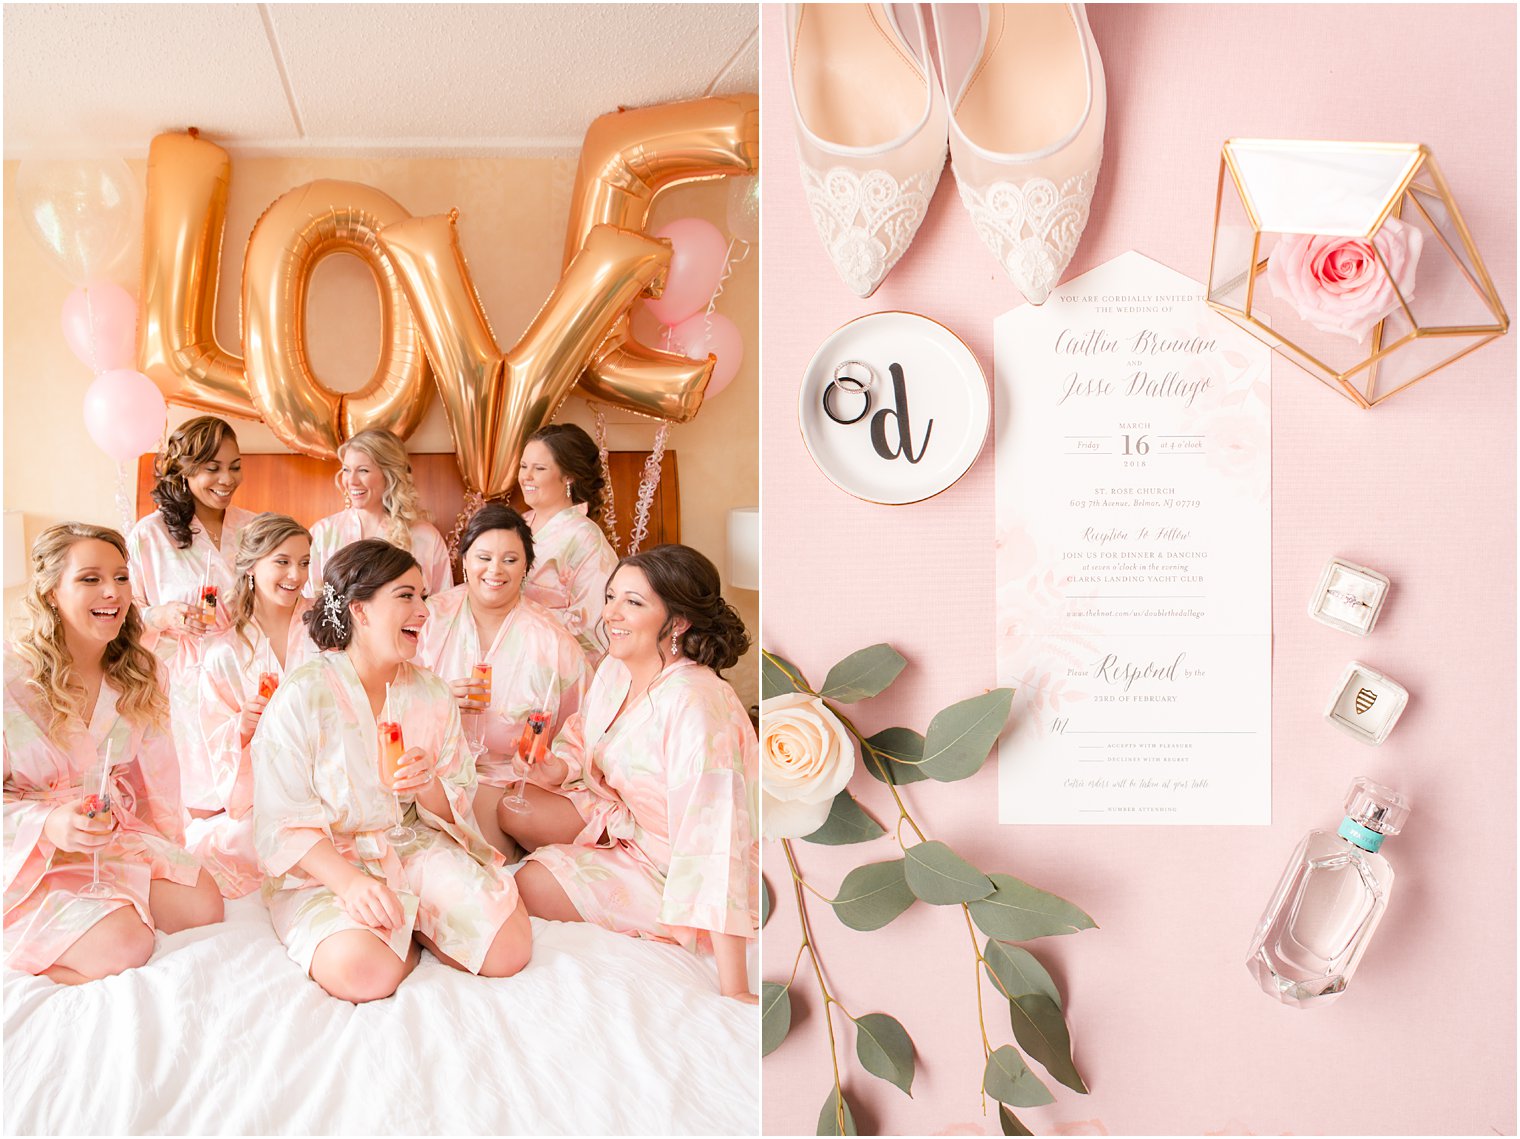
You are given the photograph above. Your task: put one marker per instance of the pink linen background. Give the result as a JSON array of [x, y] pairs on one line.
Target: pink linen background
[[1169, 1030]]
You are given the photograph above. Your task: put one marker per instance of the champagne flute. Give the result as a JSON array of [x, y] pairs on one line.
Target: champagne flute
[[532, 745], [392, 746], [95, 792], [482, 703]]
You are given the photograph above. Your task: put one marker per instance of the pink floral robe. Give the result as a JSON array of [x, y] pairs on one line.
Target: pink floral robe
[[316, 776], [162, 572], [229, 679], [668, 793], [535, 666], [44, 913], [344, 528], [572, 561]]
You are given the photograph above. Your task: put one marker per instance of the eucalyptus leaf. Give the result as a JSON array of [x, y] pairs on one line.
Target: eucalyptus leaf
[[1016, 973], [941, 877], [1017, 911], [900, 754], [765, 901], [828, 1119], [847, 823], [961, 736], [1008, 1079], [872, 895], [1041, 1032], [775, 1016], [863, 674], [885, 1049], [1010, 1122], [774, 680]]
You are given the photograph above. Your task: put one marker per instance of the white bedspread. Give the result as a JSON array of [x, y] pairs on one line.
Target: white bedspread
[[221, 1034]]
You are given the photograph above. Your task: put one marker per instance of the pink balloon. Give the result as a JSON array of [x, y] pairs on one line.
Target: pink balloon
[[698, 253], [695, 338], [124, 412], [100, 326]]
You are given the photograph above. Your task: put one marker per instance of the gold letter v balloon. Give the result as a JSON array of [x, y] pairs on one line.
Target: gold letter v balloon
[[494, 400]]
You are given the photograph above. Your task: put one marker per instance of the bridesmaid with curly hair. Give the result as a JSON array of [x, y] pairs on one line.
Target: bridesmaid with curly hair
[[644, 812], [561, 481], [190, 540], [80, 689], [380, 501]]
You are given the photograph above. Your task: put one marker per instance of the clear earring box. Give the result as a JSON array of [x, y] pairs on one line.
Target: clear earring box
[[1366, 703], [1349, 597]]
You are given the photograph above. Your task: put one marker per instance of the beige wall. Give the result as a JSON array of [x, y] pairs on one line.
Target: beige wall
[[512, 227]]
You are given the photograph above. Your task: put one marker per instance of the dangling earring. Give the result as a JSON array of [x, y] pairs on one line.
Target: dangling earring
[[675, 647], [570, 489]]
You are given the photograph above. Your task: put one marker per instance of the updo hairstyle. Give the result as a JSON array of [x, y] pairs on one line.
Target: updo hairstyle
[[355, 573], [579, 460], [688, 585]]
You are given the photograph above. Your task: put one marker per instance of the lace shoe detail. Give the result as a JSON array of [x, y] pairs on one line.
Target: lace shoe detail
[[866, 219], [1033, 227]]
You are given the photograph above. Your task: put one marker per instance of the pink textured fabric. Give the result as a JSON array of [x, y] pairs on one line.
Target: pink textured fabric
[[1170, 1032]]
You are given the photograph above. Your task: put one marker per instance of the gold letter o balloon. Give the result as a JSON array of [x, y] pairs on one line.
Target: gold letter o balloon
[[293, 235]]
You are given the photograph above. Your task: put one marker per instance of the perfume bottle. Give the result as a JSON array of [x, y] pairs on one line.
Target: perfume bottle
[[1329, 902]]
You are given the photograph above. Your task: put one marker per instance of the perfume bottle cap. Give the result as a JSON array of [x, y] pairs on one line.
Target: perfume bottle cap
[[1376, 808]]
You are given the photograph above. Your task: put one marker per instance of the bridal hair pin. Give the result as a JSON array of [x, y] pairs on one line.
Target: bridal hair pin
[[852, 385], [332, 607]]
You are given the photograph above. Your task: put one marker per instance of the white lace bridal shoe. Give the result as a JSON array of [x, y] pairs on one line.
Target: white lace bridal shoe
[[870, 131], [1027, 111]]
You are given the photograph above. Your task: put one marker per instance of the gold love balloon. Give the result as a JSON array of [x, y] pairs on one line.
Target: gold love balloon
[[627, 158], [288, 242], [495, 400], [183, 222]]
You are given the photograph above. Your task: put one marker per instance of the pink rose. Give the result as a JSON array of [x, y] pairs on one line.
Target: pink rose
[[1337, 285]]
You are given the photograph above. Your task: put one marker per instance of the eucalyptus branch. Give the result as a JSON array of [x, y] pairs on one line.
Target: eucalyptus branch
[[828, 999]]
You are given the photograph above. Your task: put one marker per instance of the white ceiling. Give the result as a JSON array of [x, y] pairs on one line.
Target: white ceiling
[[374, 79]]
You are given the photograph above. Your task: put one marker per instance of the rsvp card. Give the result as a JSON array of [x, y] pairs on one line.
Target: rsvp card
[[1134, 555]]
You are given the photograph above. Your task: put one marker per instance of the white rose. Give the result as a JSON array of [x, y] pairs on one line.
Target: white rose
[[806, 758]]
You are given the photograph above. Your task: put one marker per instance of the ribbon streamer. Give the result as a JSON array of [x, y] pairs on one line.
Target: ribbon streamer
[[124, 500], [649, 481], [609, 518]]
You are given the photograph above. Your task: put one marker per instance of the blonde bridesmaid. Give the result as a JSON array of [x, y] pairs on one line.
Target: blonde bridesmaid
[[535, 665], [349, 897], [561, 480], [266, 641], [380, 502], [189, 542], [81, 690], [644, 812]]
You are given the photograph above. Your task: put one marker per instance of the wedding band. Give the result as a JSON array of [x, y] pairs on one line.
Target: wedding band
[[854, 384], [828, 408]]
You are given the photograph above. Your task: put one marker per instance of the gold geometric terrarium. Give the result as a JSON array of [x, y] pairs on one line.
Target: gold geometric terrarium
[[1351, 259]]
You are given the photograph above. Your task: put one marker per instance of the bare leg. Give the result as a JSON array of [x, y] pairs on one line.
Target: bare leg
[[487, 804], [510, 949], [175, 907], [357, 966], [553, 819], [117, 942], [543, 896]]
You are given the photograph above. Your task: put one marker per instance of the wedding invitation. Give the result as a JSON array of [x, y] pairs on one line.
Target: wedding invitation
[[1134, 555]]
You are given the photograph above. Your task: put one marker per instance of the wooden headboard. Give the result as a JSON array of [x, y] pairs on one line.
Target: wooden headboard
[[303, 488]]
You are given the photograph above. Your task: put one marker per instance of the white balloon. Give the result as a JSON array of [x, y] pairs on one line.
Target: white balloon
[[84, 211]]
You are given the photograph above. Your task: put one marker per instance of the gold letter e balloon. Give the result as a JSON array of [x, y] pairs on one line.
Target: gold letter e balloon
[[434, 329]]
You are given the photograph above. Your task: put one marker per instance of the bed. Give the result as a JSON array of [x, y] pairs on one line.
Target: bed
[[221, 1034]]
